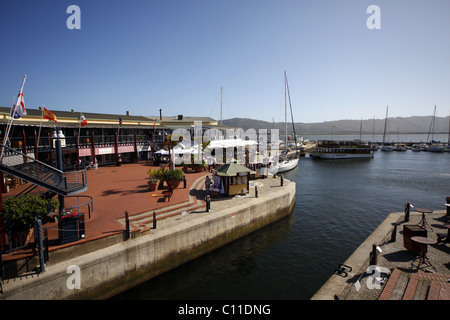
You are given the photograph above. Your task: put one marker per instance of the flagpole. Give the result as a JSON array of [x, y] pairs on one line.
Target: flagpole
[[12, 117], [40, 125]]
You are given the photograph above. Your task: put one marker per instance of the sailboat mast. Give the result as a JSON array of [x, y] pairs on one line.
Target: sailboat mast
[[448, 139], [385, 124], [292, 115], [221, 99], [285, 109]]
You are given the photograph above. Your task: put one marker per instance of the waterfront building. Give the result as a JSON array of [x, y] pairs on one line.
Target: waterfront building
[[111, 138]]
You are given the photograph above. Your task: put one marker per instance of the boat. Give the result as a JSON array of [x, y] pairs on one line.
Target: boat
[[416, 148], [386, 147], [435, 146], [285, 163], [400, 147], [326, 149]]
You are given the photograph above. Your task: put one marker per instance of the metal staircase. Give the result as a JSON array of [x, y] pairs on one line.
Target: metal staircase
[[27, 168]]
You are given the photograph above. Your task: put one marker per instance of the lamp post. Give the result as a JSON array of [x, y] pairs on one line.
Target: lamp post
[[59, 159]]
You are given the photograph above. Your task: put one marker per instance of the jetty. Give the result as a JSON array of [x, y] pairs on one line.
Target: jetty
[[403, 259], [123, 245]]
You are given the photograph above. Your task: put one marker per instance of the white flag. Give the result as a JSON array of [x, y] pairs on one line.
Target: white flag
[[19, 108]]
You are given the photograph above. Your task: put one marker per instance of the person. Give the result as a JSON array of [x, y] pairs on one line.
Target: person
[[208, 183]]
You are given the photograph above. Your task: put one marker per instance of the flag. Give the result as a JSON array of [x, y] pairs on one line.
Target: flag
[[49, 115], [19, 108], [120, 121], [82, 120], [154, 125]]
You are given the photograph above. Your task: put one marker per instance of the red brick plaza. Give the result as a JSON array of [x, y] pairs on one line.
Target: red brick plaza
[[115, 189]]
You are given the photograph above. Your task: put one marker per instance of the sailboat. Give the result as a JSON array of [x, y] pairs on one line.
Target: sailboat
[[434, 145], [385, 147], [286, 164], [447, 148]]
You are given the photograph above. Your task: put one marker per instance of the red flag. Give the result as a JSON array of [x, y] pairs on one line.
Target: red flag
[[82, 120], [49, 115]]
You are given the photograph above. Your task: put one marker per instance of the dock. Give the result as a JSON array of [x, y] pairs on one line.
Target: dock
[[395, 274]]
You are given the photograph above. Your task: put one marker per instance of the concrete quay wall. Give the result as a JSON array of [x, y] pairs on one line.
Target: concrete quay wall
[[108, 271]]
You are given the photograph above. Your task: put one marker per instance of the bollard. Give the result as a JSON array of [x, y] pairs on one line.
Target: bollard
[[407, 207], [208, 203], [394, 233], [448, 206], [184, 182], [127, 226], [281, 179], [373, 256], [46, 257], [40, 244], [256, 191], [154, 220]]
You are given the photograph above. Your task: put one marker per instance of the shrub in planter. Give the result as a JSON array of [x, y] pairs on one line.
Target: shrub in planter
[[173, 177], [21, 211]]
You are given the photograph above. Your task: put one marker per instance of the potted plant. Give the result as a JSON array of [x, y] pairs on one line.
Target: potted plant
[[199, 167], [153, 179], [21, 212], [173, 177]]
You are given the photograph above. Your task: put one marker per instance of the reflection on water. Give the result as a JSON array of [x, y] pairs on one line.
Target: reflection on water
[[338, 204]]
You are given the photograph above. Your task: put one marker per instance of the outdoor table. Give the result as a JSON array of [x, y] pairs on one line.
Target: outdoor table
[[422, 258], [423, 222]]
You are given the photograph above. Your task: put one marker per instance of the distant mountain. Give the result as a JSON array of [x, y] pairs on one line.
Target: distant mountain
[[395, 125]]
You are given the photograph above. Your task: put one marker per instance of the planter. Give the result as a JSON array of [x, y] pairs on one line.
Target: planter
[[20, 238], [172, 184], [153, 186], [198, 168], [68, 230]]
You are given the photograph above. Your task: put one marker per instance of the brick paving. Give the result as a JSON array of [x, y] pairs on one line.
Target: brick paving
[[115, 189]]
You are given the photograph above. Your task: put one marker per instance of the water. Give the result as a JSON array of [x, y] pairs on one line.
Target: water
[[338, 205]]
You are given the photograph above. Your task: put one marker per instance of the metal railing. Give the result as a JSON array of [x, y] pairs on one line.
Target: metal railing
[[28, 168]]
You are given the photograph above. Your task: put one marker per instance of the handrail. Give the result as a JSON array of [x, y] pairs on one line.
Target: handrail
[[28, 168], [15, 153], [89, 203]]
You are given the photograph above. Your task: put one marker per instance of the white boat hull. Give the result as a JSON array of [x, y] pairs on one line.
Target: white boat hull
[[284, 166]]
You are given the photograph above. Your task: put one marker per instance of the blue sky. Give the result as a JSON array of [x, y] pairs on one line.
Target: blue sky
[[175, 55]]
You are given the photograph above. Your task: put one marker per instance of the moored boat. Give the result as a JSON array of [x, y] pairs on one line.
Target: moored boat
[[326, 149]]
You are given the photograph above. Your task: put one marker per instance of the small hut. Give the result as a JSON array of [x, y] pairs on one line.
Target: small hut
[[234, 178]]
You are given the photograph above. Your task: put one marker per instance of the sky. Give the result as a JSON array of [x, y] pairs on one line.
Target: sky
[[176, 55]]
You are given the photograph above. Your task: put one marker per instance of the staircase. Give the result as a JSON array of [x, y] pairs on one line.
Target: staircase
[[144, 221], [416, 286], [27, 168]]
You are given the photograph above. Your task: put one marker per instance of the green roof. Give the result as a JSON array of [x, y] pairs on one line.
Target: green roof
[[232, 170]]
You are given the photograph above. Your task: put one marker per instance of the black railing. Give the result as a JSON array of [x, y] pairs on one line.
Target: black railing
[[28, 168]]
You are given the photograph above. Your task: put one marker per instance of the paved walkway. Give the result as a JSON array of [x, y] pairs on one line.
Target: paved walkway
[[115, 190], [406, 281]]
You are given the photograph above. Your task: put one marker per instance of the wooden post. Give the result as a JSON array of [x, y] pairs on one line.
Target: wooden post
[[94, 159], [373, 258], [36, 144], [407, 207]]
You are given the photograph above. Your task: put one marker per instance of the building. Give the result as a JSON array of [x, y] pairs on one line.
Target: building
[[112, 138]]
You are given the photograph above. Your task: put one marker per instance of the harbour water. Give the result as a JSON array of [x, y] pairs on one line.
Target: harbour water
[[339, 203]]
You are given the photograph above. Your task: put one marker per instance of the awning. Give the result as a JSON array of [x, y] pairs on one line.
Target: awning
[[232, 170]]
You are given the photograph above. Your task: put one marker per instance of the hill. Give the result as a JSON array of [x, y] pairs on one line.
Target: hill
[[396, 125]]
